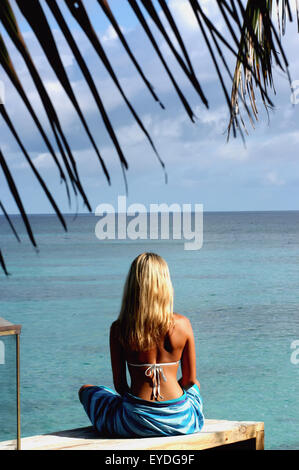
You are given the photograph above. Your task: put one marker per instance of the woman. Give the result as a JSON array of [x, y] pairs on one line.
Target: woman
[[152, 341]]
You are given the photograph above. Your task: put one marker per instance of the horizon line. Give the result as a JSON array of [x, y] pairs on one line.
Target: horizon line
[[148, 212]]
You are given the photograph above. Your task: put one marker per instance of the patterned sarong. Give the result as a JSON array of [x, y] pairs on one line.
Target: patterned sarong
[[129, 416]]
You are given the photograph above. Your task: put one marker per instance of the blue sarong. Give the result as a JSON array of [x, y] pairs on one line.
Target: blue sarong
[[129, 416]]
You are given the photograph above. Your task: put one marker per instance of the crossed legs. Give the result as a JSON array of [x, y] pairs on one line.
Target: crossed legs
[[83, 388]]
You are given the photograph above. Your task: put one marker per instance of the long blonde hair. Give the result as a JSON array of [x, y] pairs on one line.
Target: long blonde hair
[[146, 313]]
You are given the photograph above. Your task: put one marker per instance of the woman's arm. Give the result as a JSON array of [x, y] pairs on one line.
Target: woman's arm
[[118, 362], [188, 359]]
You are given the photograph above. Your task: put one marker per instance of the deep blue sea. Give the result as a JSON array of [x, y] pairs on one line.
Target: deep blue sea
[[240, 291]]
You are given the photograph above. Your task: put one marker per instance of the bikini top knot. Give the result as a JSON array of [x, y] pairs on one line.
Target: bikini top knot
[[155, 371]]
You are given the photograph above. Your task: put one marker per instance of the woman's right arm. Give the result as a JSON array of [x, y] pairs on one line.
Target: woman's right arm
[[188, 359], [118, 362]]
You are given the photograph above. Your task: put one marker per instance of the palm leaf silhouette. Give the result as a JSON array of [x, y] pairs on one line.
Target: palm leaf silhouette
[[250, 36]]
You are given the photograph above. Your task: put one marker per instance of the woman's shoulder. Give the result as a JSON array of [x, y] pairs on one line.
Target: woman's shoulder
[[114, 328], [182, 322], [180, 332]]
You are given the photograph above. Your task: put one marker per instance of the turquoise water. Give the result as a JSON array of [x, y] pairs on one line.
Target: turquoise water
[[240, 291]]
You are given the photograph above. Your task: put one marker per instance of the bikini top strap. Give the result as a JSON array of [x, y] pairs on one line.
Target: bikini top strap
[[154, 364], [155, 370]]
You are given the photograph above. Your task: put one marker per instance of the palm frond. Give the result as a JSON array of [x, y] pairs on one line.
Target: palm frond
[[14, 191], [42, 30], [8, 67], [259, 42], [9, 222], [52, 4], [154, 43], [11, 26], [2, 262], [149, 6], [79, 12], [250, 37], [108, 12], [32, 166]]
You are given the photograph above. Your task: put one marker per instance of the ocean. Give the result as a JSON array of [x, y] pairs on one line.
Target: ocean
[[240, 291]]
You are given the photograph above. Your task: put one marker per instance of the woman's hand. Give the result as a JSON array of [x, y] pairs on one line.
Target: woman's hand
[[188, 359], [190, 384]]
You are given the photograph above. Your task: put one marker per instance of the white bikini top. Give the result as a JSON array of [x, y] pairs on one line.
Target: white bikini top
[[156, 370]]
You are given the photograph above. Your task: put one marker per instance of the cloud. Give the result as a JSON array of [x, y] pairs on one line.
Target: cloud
[[44, 160], [184, 14], [131, 134], [217, 118], [233, 151], [273, 178], [67, 60], [110, 34]]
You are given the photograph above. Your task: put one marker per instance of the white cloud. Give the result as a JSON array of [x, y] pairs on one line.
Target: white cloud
[[67, 60], [273, 178], [110, 34], [170, 128], [43, 160], [185, 17], [183, 14], [217, 118], [233, 151], [131, 134]]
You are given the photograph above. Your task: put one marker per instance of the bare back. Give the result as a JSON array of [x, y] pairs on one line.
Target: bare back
[[177, 345]]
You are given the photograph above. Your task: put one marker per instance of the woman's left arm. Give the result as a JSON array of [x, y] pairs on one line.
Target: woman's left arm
[[118, 362]]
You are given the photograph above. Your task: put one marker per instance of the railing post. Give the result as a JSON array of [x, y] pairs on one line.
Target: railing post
[[259, 440]]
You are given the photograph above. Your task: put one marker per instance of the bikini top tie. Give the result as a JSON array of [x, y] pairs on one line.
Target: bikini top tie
[[155, 370]]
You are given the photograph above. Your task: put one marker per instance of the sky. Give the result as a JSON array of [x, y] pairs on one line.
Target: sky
[[202, 167]]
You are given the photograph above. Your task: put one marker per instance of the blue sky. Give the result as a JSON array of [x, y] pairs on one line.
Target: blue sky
[[202, 167]]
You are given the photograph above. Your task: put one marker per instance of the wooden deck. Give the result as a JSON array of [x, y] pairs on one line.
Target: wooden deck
[[215, 434]]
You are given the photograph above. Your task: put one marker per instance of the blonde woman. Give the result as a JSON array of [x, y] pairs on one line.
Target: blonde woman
[[152, 341]]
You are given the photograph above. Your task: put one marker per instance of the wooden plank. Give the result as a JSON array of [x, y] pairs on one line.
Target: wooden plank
[[214, 433], [8, 328]]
